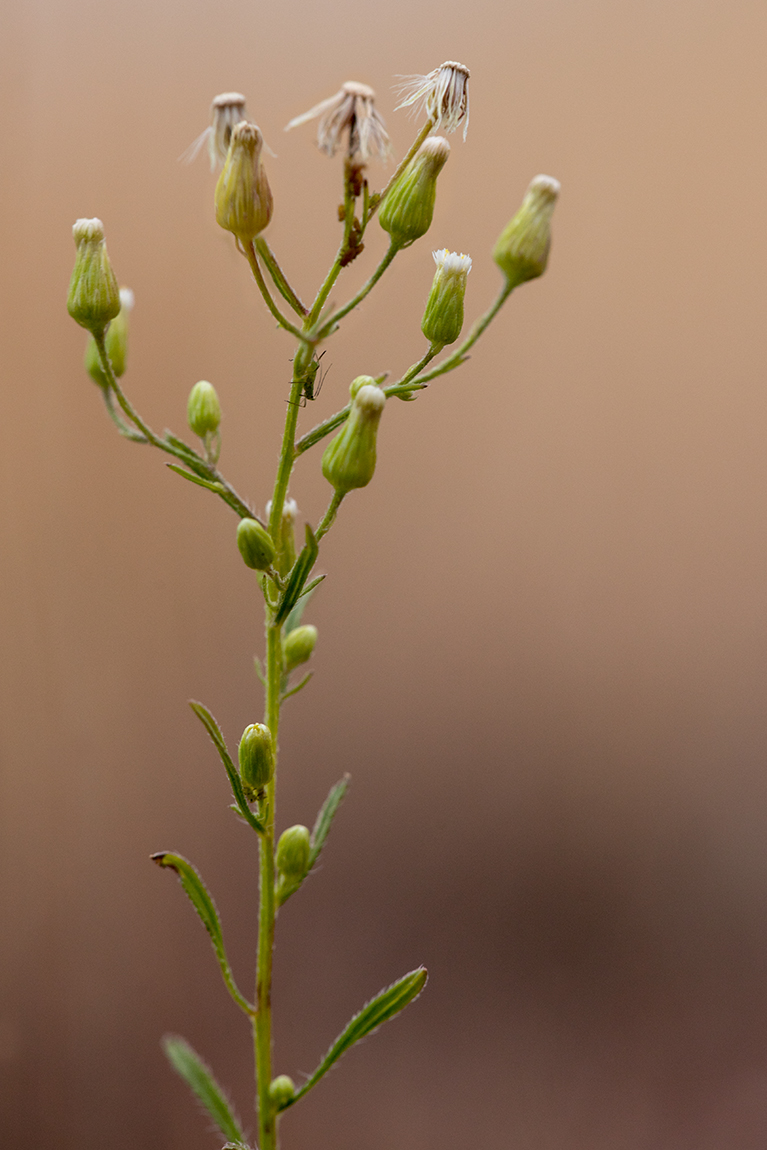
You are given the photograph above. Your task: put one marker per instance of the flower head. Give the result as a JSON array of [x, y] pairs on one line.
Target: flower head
[[522, 250], [225, 111], [94, 297], [443, 95], [408, 207], [351, 110], [243, 198], [443, 317]]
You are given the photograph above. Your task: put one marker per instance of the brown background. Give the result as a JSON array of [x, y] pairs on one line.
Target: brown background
[[543, 649]]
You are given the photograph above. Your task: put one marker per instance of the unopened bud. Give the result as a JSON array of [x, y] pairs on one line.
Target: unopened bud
[[243, 197], [286, 547], [350, 459], [94, 298], [115, 341], [281, 1090], [203, 411], [443, 317], [297, 646], [522, 250], [292, 856], [407, 211], [256, 755], [255, 544]]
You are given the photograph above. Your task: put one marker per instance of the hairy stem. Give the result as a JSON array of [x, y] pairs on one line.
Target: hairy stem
[[456, 358], [325, 330], [250, 254], [280, 280]]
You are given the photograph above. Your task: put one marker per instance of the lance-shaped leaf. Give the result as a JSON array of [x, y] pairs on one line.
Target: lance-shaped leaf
[[298, 576], [199, 1078], [383, 1007], [325, 818], [213, 729], [205, 907]]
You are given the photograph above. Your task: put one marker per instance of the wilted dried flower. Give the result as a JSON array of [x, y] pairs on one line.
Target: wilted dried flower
[[351, 109], [225, 111], [443, 95]]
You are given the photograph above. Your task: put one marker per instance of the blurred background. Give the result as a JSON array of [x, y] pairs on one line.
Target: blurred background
[[543, 637]]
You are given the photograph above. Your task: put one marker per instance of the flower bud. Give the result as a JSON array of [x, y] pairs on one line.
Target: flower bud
[[115, 341], [286, 546], [443, 317], [256, 756], [255, 544], [297, 646], [522, 250], [203, 411], [281, 1090], [292, 856], [94, 298], [350, 459], [407, 210], [243, 196]]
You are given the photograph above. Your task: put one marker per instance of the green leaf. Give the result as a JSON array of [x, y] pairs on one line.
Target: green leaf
[[219, 490], [325, 818], [298, 576], [206, 909], [213, 729], [199, 1078], [383, 1007]]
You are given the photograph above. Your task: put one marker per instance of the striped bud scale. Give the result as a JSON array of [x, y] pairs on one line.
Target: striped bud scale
[[203, 411], [350, 459], [243, 197], [94, 297], [115, 341], [256, 755], [522, 250], [406, 212], [255, 544], [292, 855], [297, 646]]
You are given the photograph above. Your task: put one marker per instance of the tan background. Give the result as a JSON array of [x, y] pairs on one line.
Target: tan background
[[543, 649]]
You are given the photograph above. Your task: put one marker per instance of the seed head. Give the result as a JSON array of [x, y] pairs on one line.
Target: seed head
[[225, 111], [443, 317], [522, 250], [243, 197], [443, 95], [351, 110]]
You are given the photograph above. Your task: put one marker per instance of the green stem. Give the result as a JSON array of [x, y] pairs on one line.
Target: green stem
[[399, 388], [332, 276], [329, 518], [280, 280], [325, 330], [250, 254], [120, 424], [459, 355]]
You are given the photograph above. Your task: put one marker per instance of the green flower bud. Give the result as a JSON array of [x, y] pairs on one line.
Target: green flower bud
[[407, 211], [116, 342], [94, 298], [350, 459], [243, 197], [297, 646], [203, 411], [255, 544], [286, 547], [443, 318], [522, 250], [292, 856], [256, 756], [281, 1090]]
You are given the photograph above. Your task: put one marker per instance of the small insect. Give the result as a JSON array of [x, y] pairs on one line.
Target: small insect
[[311, 385]]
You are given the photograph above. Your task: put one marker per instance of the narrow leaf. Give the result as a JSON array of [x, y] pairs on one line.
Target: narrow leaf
[[202, 902], [213, 729], [299, 687], [219, 490], [325, 818], [199, 1078], [383, 1007], [298, 576]]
